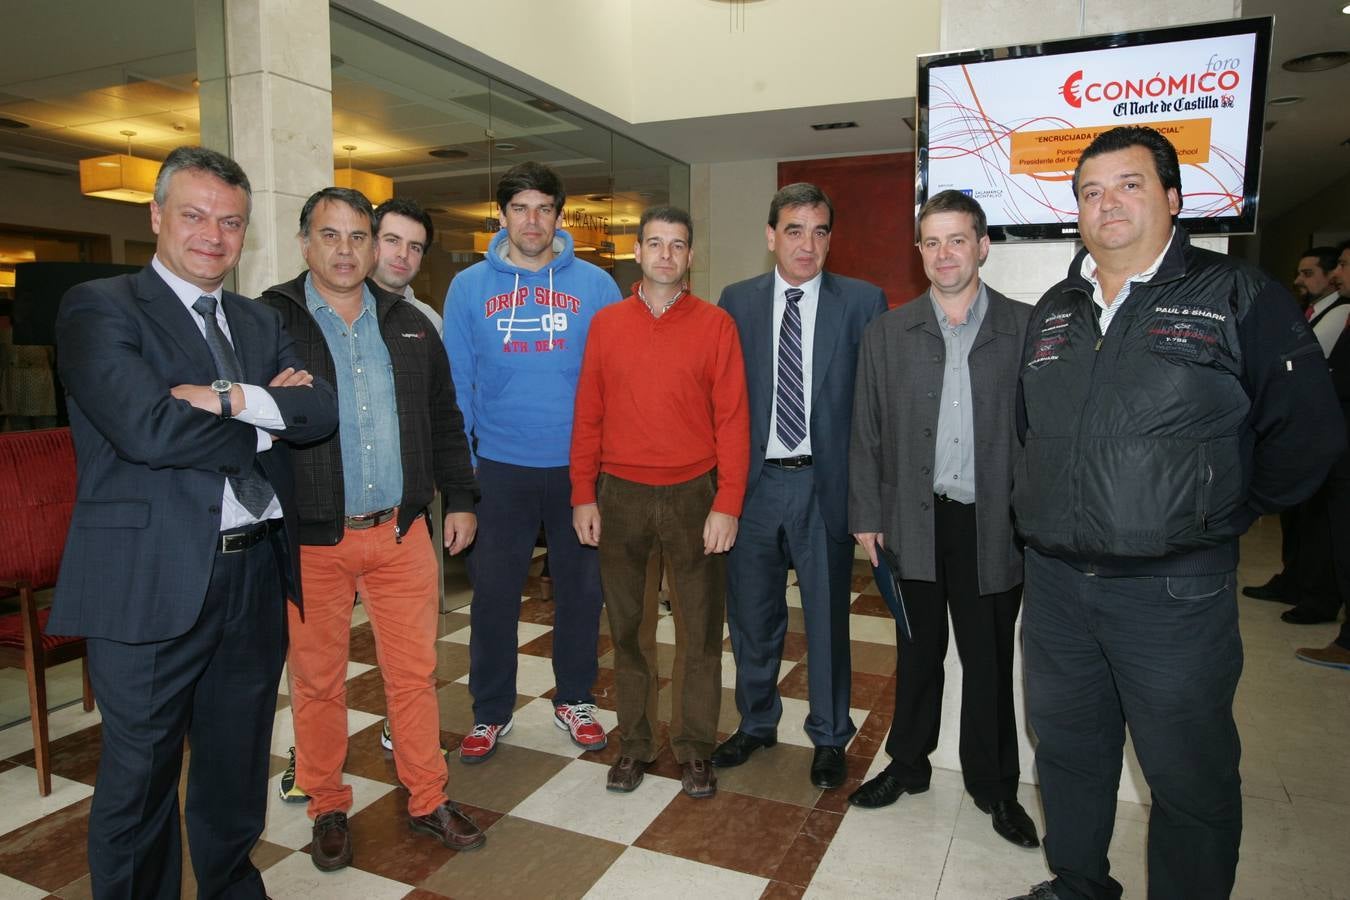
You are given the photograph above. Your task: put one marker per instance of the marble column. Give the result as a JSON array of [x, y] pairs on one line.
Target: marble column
[[275, 84]]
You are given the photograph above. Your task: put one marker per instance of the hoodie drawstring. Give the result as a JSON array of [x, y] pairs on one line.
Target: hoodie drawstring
[[512, 321]]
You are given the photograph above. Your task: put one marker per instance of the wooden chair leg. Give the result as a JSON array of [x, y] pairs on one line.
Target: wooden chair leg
[[88, 686], [37, 706]]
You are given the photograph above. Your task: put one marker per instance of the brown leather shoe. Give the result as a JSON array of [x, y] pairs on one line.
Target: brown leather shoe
[[698, 778], [449, 824], [625, 775], [332, 849]]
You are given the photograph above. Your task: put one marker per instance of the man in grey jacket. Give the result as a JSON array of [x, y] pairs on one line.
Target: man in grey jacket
[[930, 476]]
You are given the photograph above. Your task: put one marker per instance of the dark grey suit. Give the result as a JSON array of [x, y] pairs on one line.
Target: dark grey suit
[[797, 518], [957, 556], [183, 640]]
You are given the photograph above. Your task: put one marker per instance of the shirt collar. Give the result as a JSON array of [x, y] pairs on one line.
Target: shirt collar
[[186, 292], [974, 315], [810, 289], [314, 301], [1089, 268], [1323, 302]]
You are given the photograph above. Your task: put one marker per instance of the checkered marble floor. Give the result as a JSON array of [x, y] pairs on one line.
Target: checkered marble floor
[[553, 831]]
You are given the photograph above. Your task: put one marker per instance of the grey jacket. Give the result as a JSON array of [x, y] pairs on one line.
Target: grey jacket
[[895, 416]]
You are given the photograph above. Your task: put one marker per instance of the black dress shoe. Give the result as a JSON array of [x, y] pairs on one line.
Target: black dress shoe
[[883, 790], [737, 749], [1274, 589], [1011, 822], [827, 767], [1301, 615]]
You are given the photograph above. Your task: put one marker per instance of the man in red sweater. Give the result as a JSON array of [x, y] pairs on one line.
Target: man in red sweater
[[660, 450]]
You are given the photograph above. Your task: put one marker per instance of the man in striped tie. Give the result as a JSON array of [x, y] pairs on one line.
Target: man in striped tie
[[799, 327]]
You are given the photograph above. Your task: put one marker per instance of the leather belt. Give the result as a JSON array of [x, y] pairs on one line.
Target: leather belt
[[370, 520], [789, 462], [237, 540]]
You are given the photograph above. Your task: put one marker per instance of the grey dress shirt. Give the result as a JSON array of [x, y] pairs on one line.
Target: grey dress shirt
[[954, 457]]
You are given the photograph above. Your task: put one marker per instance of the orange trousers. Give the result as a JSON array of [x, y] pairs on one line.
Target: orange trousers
[[397, 581]]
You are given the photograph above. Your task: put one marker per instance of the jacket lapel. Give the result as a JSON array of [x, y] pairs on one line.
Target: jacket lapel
[[246, 339], [829, 326], [171, 316], [759, 361]]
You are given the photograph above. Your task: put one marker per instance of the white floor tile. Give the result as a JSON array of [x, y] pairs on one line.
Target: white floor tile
[[609, 816], [19, 737], [295, 878], [792, 727], [289, 825], [17, 890], [644, 873], [283, 727], [534, 675], [22, 803], [729, 672]]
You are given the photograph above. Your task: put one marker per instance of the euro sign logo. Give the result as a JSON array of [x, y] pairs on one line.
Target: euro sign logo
[[1072, 95]]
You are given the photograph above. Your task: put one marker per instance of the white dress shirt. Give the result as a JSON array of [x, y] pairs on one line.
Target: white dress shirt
[[1328, 329], [260, 410], [807, 305]]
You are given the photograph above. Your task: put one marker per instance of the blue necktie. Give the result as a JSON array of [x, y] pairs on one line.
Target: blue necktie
[[791, 405], [252, 490]]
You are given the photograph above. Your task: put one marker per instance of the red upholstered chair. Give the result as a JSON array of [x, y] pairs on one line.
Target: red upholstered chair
[[37, 495]]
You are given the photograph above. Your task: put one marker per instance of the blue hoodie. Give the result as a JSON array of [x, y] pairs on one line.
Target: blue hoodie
[[515, 340]]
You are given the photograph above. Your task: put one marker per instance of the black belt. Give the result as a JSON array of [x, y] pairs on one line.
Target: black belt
[[238, 539], [790, 462], [370, 520]]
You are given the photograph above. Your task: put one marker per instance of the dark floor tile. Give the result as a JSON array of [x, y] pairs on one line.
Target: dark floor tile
[[451, 622], [794, 683], [808, 848], [365, 693], [540, 612], [452, 661], [383, 843], [367, 758], [74, 756], [730, 830], [870, 605], [361, 647], [836, 799], [49, 853], [540, 646], [866, 688], [778, 890]]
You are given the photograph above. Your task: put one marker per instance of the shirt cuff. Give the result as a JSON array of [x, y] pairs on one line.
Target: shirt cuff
[[260, 409]]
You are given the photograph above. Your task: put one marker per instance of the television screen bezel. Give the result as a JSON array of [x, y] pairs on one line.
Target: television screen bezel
[[1261, 27]]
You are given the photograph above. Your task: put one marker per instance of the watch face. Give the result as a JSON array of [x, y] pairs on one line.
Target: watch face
[[220, 385]]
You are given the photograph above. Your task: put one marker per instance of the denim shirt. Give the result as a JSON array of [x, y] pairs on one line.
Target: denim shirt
[[367, 408]]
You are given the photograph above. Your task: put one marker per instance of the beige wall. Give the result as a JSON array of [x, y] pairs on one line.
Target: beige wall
[[730, 204], [653, 60]]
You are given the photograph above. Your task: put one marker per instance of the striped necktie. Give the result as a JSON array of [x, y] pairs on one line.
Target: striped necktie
[[251, 489], [791, 401]]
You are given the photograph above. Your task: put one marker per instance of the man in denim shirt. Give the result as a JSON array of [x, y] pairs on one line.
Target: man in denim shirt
[[363, 508]]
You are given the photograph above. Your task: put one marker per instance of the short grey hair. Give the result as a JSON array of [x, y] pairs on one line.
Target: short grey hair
[[200, 159]]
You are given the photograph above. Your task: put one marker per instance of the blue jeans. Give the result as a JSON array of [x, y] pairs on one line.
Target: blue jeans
[[1163, 656]]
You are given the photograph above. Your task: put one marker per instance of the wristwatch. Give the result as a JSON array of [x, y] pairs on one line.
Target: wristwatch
[[222, 389]]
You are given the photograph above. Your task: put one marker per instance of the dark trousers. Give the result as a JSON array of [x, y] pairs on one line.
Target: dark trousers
[[781, 527], [516, 499], [1163, 656], [215, 685], [985, 625], [635, 518], [1314, 583]]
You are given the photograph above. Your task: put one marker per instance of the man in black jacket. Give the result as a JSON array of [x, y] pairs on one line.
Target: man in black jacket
[[363, 497], [1170, 395]]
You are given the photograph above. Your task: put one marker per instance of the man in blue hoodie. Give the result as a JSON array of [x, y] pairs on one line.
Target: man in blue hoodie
[[515, 329]]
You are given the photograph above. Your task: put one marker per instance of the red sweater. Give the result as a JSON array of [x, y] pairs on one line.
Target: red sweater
[[662, 400]]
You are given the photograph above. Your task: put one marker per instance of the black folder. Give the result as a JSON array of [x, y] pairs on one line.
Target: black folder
[[887, 574]]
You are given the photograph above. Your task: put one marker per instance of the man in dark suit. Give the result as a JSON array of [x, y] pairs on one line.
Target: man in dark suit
[[799, 328], [930, 477], [182, 543]]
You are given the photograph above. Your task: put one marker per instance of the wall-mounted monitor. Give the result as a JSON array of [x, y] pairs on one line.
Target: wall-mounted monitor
[[1007, 125]]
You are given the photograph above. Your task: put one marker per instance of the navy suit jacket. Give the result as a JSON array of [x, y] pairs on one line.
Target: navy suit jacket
[[151, 468], [846, 306]]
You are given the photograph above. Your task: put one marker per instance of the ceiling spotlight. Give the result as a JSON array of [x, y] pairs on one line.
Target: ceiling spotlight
[[1285, 101], [833, 126], [11, 123], [504, 146], [1317, 62], [448, 153], [600, 198]]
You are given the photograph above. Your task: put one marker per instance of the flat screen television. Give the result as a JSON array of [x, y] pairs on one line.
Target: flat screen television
[[1007, 125]]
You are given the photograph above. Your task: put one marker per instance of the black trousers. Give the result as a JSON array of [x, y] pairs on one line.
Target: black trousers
[[985, 625], [215, 685]]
